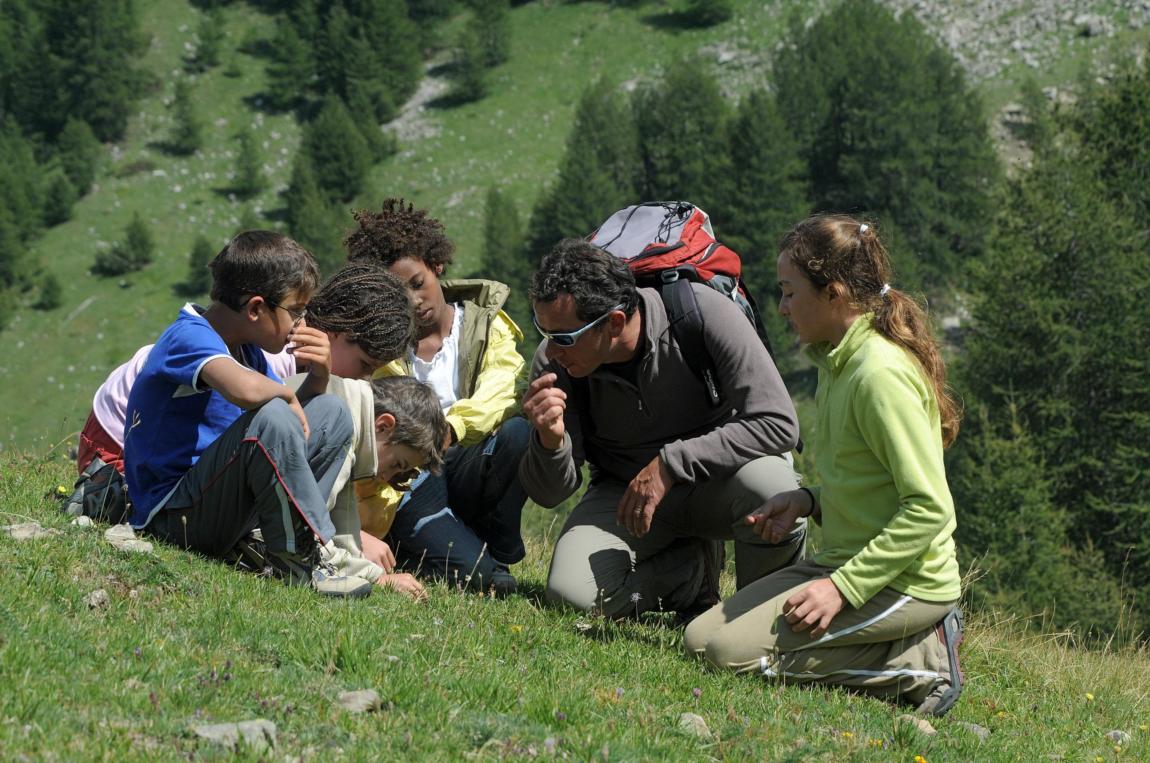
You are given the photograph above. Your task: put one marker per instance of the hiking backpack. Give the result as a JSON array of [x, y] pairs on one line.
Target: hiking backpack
[[99, 493], [669, 245]]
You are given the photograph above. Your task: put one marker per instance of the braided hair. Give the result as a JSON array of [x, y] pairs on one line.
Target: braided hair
[[370, 306], [397, 231]]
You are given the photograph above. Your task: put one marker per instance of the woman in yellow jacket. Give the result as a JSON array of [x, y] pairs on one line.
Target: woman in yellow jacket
[[462, 524]]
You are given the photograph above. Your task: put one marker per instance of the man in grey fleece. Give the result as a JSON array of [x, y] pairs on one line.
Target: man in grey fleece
[[671, 476]]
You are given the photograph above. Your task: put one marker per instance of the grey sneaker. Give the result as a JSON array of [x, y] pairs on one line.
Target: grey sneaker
[[308, 570], [942, 697]]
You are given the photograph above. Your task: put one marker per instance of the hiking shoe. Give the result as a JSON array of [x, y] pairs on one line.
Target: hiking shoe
[[503, 583], [248, 555], [943, 696], [308, 570]]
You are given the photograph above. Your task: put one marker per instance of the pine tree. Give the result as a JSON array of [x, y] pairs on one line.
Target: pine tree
[[597, 174], [21, 195], [765, 191], [393, 39], [491, 25], [502, 257], [291, 71], [96, 45], [1060, 326], [211, 33], [58, 200], [313, 220], [187, 128], [80, 153], [468, 74], [891, 129], [139, 245], [337, 151], [250, 178], [199, 278], [682, 122], [51, 292]]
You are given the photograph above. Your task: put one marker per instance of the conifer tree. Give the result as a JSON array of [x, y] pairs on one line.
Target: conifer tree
[[392, 38], [199, 278], [79, 153], [250, 178], [597, 174], [211, 33], [502, 257], [292, 68], [336, 151], [313, 220], [888, 126], [708, 12], [187, 126], [21, 195], [765, 190], [681, 122], [491, 25], [58, 200], [469, 72], [139, 244], [51, 292]]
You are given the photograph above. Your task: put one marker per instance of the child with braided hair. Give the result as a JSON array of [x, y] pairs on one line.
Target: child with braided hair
[[876, 608], [463, 525]]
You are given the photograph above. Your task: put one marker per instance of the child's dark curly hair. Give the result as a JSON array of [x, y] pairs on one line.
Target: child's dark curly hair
[[397, 231]]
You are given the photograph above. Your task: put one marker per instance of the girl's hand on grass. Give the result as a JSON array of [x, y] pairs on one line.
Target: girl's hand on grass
[[377, 551], [403, 583], [814, 607], [776, 518]]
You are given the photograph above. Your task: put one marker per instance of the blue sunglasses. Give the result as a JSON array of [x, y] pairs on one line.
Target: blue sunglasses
[[569, 338]]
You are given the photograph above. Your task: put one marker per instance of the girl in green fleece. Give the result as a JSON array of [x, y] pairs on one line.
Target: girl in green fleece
[[875, 608]]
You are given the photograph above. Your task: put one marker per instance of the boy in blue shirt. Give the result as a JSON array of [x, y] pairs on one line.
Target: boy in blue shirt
[[216, 445]]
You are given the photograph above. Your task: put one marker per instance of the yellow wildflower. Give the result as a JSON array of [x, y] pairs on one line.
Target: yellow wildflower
[[516, 628], [848, 735], [919, 759], [1089, 697]]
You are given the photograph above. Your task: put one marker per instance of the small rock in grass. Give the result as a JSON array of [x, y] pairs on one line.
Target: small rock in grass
[[694, 725], [921, 725], [259, 735], [98, 599], [124, 538], [363, 701], [981, 732], [1117, 736], [83, 521], [29, 531]]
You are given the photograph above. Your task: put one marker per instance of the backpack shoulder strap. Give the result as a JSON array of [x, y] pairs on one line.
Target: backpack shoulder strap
[[687, 325]]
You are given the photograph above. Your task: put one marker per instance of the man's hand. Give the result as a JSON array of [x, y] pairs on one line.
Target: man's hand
[[544, 405], [377, 551], [814, 607], [775, 519], [403, 583], [637, 506]]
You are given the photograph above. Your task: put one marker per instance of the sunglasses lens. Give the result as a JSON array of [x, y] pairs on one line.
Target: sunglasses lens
[[563, 340]]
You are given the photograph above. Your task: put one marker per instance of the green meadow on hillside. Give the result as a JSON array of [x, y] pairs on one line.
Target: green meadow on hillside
[[448, 158], [183, 642]]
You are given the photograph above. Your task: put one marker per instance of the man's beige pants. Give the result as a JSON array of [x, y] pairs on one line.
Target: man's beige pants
[[600, 566], [889, 647]]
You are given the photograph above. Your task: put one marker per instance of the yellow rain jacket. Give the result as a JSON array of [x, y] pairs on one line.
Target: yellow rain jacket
[[490, 368]]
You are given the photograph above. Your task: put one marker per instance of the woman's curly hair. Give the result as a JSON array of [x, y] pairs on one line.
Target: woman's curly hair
[[371, 306], [396, 231]]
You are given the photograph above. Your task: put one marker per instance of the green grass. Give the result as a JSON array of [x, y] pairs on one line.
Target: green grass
[[54, 360], [185, 642]]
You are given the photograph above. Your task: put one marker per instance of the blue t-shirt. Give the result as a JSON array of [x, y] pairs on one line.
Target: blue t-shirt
[[172, 416]]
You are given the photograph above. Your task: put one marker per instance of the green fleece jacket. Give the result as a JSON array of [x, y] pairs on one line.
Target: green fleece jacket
[[887, 514]]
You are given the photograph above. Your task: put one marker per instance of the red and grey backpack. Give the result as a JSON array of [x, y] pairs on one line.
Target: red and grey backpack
[[669, 245]]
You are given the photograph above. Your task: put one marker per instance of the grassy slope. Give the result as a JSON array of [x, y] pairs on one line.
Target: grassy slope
[[186, 642]]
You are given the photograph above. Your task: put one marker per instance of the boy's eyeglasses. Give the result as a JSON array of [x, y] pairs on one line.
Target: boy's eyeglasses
[[296, 315], [569, 338]]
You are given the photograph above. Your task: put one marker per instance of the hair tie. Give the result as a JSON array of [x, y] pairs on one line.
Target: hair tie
[[863, 228], [884, 290]]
